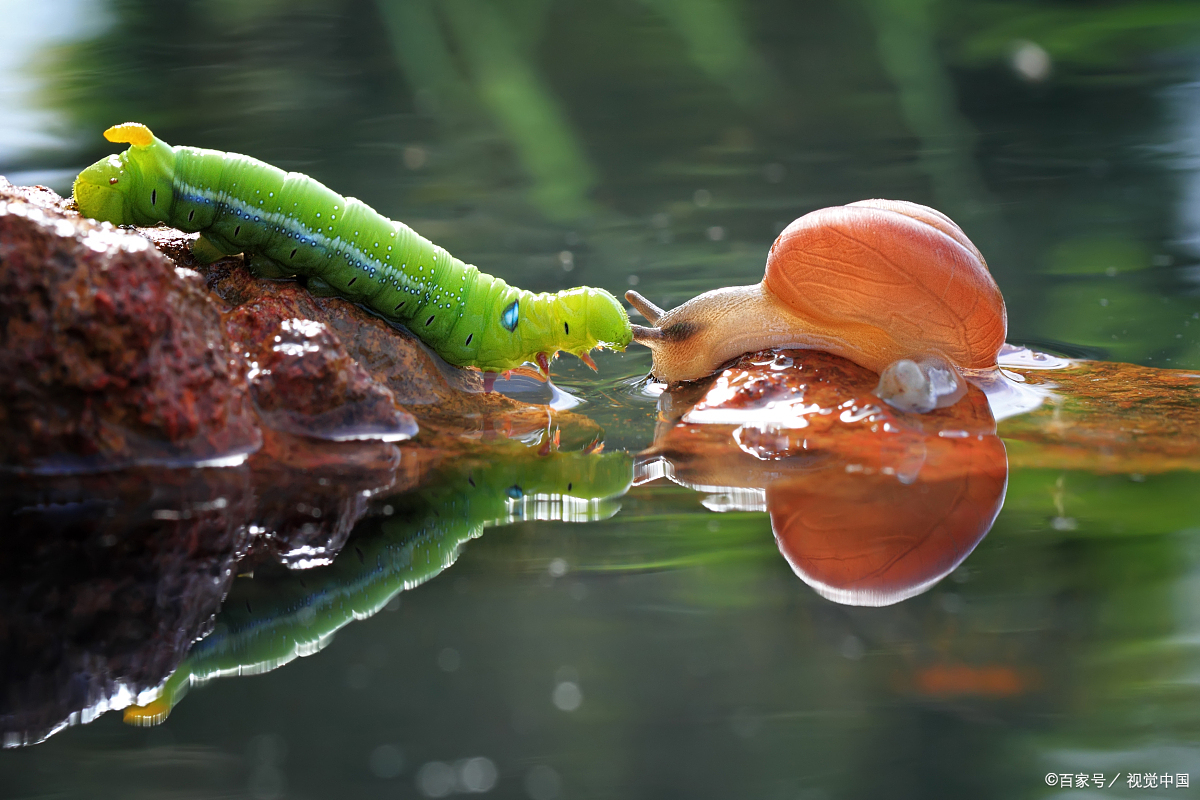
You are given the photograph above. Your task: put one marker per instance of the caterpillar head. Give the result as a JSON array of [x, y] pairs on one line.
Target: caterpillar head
[[591, 318], [130, 188]]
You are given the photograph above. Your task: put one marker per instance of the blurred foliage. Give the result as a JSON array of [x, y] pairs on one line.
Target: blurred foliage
[[1088, 36], [1097, 256]]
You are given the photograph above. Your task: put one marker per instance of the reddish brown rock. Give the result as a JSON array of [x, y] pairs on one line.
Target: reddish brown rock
[[303, 380], [445, 400], [120, 356], [111, 355], [771, 415], [1109, 417]]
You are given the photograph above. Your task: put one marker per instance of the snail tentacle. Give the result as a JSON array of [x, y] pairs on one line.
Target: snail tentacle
[[651, 312]]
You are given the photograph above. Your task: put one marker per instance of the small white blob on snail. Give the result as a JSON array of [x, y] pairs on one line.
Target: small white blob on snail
[[893, 286]]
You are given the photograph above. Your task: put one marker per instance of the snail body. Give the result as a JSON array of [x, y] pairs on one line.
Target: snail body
[[893, 286]]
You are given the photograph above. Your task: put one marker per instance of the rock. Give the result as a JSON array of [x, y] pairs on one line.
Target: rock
[[1107, 417], [445, 400], [304, 382], [111, 354], [773, 414]]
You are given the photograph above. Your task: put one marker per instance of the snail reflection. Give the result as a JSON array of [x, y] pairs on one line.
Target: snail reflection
[[868, 505], [872, 535]]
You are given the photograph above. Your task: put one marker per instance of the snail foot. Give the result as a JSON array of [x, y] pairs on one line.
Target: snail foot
[[920, 386]]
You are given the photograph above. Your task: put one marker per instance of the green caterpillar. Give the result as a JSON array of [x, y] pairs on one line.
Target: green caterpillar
[[294, 225]]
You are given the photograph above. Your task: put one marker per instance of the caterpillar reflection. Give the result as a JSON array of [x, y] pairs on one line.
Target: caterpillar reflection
[[290, 224], [267, 622]]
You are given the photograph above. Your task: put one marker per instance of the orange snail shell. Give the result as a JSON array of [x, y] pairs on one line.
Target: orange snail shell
[[897, 279]]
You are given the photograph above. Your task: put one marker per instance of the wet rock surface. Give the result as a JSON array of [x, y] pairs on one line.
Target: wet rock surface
[[778, 406], [1109, 417], [445, 400], [772, 414], [304, 382], [111, 354]]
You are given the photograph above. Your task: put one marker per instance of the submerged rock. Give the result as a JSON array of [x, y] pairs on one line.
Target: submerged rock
[[1108, 417]]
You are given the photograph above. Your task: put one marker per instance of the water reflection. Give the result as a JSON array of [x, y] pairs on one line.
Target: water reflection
[[862, 536], [105, 581], [111, 578], [869, 506]]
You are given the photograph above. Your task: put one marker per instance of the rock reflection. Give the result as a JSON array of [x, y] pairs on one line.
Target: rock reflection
[[869, 505], [108, 580], [105, 582]]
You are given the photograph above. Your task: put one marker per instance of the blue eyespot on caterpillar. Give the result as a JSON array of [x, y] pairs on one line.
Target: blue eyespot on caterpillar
[[509, 317], [294, 225]]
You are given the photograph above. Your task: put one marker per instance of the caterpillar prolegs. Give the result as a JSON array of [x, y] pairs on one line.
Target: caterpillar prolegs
[[290, 224]]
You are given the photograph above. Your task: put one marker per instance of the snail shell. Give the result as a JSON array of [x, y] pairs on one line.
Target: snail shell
[[899, 278], [877, 282]]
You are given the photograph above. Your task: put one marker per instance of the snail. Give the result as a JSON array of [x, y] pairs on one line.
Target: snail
[[893, 286], [865, 538]]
